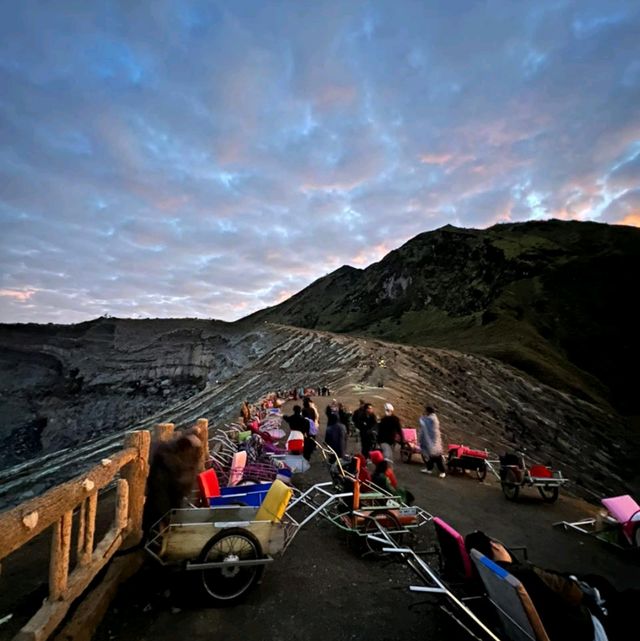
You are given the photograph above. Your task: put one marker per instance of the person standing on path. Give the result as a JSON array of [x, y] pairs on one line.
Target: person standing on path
[[389, 431], [336, 435], [366, 422], [431, 442], [310, 412]]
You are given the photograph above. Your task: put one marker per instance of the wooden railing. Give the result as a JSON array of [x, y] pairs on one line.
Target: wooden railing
[[56, 508], [77, 500]]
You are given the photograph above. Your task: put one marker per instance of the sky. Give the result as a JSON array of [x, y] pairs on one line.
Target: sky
[[208, 159]]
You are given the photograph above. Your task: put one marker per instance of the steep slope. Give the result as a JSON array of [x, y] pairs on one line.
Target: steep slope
[[479, 400], [553, 298], [63, 385]]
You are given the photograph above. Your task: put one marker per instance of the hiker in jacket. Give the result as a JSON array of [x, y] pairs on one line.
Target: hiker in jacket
[[431, 442]]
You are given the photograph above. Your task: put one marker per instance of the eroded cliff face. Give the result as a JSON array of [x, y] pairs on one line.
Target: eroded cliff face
[[64, 385], [480, 401]]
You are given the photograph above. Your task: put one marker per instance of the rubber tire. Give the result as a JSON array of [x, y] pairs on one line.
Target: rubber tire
[[218, 587], [370, 527], [510, 485], [636, 537], [405, 455], [549, 495], [481, 472]]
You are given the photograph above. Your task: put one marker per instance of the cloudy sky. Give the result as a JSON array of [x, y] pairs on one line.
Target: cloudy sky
[[211, 158]]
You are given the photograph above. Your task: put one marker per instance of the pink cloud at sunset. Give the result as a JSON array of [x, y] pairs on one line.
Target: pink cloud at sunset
[[208, 159]]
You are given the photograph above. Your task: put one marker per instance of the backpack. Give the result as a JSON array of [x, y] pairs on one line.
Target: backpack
[[313, 427]]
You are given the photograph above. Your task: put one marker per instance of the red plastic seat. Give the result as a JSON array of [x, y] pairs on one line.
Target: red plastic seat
[[208, 484]]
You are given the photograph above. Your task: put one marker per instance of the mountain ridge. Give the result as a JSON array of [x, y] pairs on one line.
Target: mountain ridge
[[539, 295]]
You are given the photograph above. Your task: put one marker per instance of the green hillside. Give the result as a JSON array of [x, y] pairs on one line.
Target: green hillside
[[555, 299]]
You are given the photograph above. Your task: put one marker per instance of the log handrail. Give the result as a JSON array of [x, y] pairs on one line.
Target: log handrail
[[78, 498], [25, 521], [56, 507]]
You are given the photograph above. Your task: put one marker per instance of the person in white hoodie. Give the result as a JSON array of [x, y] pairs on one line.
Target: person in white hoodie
[[431, 442]]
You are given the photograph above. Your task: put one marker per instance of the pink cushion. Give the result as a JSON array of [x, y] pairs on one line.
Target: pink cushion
[[477, 453], [463, 450], [409, 434], [238, 463], [457, 537], [621, 508]]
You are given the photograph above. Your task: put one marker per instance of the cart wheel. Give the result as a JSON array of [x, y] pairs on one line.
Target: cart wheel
[[549, 494], [227, 584], [387, 521], [481, 472], [510, 485], [405, 455]]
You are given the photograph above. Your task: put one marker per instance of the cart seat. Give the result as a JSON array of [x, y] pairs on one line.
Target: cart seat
[[540, 472], [275, 502], [621, 508], [238, 463], [463, 450], [410, 435], [517, 613], [625, 511], [457, 562], [208, 484]]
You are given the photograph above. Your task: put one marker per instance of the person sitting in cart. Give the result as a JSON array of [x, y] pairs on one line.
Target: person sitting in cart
[[385, 479], [583, 609]]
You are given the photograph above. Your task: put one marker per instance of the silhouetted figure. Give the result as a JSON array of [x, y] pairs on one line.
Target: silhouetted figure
[[172, 475]]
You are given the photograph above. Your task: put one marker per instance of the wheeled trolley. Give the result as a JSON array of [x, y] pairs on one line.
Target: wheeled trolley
[[514, 473]]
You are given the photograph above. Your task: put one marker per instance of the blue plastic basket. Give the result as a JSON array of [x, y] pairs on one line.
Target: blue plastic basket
[[251, 495]]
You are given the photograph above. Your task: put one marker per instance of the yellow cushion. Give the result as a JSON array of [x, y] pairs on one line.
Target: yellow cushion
[[275, 503]]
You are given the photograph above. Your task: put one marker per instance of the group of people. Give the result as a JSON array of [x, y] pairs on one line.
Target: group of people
[[300, 392], [305, 419], [387, 431], [583, 608], [251, 413]]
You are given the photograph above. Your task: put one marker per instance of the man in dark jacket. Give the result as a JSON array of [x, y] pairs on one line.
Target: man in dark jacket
[[298, 422], [365, 420], [389, 431], [336, 435]]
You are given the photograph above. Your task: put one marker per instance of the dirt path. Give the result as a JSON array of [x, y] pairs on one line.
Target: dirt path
[[321, 589]]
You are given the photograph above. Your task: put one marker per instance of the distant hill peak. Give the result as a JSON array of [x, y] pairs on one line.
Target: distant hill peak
[[551, 298]]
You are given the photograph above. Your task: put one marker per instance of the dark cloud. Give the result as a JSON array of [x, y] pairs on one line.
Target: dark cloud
[[207, 159]]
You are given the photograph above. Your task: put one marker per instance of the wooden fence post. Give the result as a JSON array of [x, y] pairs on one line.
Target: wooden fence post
[[122, 505], [59, 561], [163, 432], [87, 529], [135, 474], [202, 425]]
